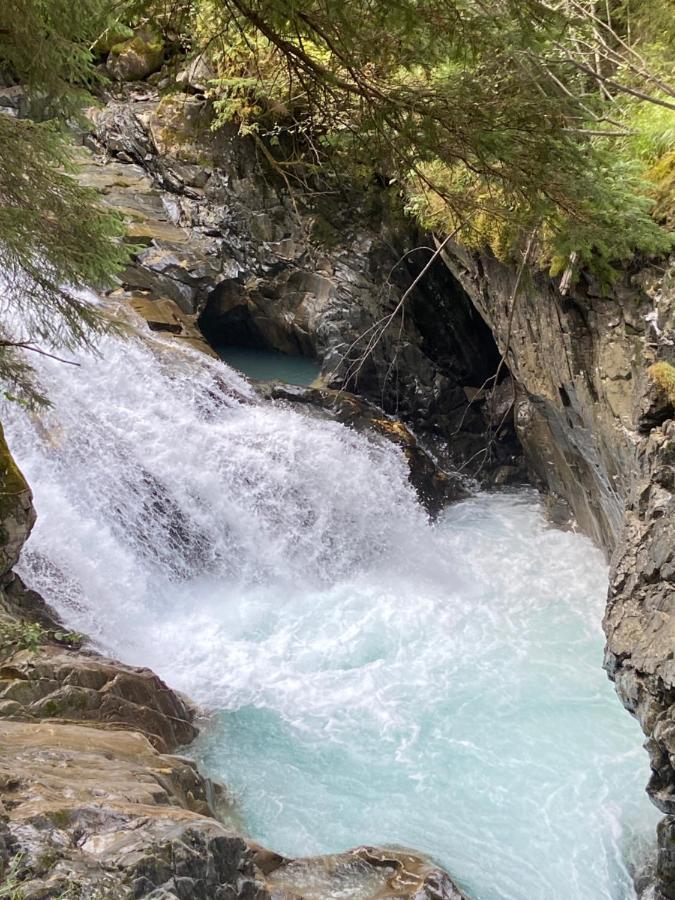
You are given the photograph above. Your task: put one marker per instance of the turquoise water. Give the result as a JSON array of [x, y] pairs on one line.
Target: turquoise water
[[456, 705], [371, 677], [267, 365]]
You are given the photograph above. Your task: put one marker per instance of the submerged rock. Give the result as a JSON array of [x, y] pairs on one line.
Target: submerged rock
[[363, 873]]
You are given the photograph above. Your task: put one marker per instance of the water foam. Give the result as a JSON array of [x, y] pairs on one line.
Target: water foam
[[378, 678]]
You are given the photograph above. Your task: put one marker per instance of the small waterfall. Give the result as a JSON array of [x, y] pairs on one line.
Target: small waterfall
[[157, 466], [373, 677]]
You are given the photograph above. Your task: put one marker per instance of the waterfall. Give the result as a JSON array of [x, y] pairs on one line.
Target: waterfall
[[370, 676]]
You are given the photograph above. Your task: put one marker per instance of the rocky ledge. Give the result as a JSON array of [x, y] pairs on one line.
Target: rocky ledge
[[93, 813]]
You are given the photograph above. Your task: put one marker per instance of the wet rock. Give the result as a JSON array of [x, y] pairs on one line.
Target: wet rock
[[17, 514], [640, 617], [74, 685], [57, 680], [434, 486], [102, 814], [369, 871], [597, 435], [306, 276]]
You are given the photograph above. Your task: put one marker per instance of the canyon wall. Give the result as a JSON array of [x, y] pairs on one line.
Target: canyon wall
[[597, 432]]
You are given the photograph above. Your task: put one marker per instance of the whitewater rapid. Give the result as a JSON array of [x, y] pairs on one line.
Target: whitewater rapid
[[370, 676]]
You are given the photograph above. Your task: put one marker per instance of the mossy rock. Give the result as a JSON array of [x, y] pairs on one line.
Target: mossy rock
[[181, 129], [115, 35], [662, 375], [662, 176], [137, 57], [17, 514]]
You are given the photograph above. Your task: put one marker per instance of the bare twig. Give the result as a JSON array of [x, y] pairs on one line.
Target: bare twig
[[27, 345]]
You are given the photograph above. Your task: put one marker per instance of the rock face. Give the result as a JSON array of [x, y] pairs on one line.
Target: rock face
[[640, 625], [101, 815], [264, 268], [17, 515], [580, 363], [598, 433]]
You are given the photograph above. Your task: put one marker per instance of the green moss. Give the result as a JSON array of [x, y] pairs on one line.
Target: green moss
[[663, 376], [662, 177], [114, 36], [12, 482], [183, 129], [59, 817], [50, 709]]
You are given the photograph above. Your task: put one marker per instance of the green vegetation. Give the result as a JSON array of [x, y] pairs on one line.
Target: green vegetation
[[10, 888], [54, 239], [497, 121], [12, 482], [20, 634], [663, 376], [509, 124]]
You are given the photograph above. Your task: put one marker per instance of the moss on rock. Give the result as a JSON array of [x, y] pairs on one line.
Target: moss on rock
[[17, 514], [137, 57], [662, 176], [663, 376]]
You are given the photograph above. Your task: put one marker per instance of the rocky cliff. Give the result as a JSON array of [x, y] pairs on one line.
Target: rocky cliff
[[597, 430], [227, 239]]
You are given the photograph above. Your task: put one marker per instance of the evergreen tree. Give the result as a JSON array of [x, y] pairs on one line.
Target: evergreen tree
[[54, 238], [499, 119]]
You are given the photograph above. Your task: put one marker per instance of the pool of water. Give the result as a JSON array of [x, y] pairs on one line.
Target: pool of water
[[268, 365], [371, 676], [453, 702]]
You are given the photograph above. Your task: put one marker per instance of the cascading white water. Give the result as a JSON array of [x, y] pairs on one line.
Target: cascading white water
[[372, 677]]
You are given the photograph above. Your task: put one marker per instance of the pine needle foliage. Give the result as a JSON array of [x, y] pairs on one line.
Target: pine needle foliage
[[496, 119], [54, 238]]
